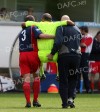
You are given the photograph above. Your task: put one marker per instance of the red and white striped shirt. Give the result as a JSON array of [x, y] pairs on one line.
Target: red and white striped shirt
[[88, 41]]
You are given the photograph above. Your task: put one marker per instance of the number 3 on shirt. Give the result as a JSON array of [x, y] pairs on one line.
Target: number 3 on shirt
[[24, 35]]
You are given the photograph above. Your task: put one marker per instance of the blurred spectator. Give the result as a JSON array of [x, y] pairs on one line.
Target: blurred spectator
[[95, 61], [29, 12], [4, 16], [86, 46]]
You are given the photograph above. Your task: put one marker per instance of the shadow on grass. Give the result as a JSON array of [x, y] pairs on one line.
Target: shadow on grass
[[32, 108], [14, 108]]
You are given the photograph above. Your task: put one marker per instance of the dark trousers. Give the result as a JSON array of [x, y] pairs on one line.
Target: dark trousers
[[67, 66], [84, 70]]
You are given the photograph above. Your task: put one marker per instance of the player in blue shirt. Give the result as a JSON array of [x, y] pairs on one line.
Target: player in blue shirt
[[29, 61]]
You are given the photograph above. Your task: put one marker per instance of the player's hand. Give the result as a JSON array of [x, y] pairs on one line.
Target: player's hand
[[83, 45], [69, 22], [50, 57]]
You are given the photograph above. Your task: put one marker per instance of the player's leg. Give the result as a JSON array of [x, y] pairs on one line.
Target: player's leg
[[85, 71], [42, 74], [99, 82], [92, 82], [25, 73], [36, 90], [57, 77], [72, 79], [99, 75], [94, 70], [63, 80], [26, 89], [35, 64]]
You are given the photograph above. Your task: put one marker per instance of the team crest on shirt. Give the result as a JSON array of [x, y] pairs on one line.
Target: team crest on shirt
[[37, 29]]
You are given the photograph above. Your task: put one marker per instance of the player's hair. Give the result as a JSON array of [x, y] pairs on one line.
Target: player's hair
[[47, 17], [29, 18], [97, 34], [84, 28]]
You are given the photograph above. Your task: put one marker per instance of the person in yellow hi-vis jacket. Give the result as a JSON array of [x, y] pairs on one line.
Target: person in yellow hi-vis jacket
[[47, 27]]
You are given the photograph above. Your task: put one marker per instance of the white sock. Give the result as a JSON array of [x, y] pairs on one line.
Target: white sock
[[70, 99]]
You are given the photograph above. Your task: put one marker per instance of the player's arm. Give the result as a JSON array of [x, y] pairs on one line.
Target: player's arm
[[38, 34], [28, 23], [46, 36], [83, 45], [61, 23], [69, 22]]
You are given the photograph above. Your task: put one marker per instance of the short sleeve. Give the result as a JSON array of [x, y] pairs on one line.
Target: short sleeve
[[36, 32]]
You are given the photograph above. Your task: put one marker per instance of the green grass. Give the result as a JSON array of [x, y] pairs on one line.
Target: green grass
[[15, 102]]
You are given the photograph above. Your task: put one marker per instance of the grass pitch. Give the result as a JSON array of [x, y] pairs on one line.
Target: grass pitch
[[15, 102]]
